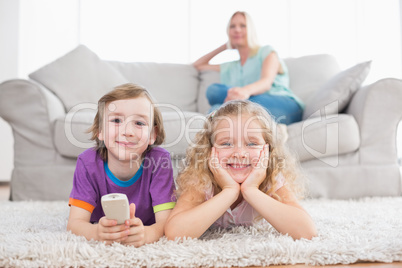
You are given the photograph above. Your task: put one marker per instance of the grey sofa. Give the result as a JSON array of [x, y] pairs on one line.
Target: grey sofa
[[346, 142]]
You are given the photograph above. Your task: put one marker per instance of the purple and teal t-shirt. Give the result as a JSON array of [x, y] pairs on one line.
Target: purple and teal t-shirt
[[150, 189]]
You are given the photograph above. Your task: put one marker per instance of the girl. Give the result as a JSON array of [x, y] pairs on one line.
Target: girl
[[126, 127], [248, 176], [259, 75]]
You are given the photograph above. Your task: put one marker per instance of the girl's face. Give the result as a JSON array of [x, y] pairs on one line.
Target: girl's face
[[127, 129], [239, 141], [238, 31]]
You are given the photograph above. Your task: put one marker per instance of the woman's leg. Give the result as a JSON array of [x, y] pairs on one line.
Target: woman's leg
[[284, 109], [216, 93]]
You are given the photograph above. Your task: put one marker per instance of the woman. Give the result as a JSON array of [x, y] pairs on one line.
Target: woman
[[259, 75]]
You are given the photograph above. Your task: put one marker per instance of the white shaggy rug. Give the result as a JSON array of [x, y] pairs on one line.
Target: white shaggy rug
[[33, 234]]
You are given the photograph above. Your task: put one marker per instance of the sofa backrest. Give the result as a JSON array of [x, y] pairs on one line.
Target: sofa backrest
[[307, 74], [170, 84], [81, 76]]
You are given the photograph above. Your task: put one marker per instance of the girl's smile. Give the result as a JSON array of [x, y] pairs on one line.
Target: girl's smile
[[239, 141]]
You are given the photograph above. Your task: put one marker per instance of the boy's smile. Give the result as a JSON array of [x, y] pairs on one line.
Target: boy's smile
[[127, 130]]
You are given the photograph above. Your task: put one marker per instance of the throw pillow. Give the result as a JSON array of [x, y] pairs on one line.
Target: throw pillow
[[79, 76], [335, 95]]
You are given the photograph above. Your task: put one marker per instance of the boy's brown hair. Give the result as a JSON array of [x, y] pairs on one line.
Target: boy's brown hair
[[123, 92]]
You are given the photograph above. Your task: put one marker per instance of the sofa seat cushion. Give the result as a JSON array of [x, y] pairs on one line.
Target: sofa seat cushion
[[320, 137], [169, 83], [71, 136], [70, 132], [180, 129], [207, 78]]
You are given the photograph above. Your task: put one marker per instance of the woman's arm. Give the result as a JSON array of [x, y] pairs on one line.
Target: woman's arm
[[288, 217], [270, 68], [106, 230], [203, 62]]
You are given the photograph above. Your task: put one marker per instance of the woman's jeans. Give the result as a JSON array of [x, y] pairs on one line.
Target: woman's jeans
[[283, 109]]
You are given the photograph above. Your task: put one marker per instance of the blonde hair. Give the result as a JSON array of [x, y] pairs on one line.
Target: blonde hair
[[252, 39], [123, 92], [196, 175]]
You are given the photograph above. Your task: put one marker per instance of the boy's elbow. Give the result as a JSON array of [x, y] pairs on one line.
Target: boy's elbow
[[69, 226]]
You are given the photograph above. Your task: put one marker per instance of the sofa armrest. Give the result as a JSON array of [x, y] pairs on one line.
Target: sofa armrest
[[377, 109], [30, 109]]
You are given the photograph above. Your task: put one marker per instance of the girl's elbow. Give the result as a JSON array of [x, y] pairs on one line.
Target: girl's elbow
[[307, 234], [172, 234], [177, 232]]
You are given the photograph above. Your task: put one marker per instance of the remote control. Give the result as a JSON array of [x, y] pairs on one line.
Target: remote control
[[116, 207]]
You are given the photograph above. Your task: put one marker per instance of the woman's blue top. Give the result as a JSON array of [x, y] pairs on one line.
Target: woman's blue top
[[233, 74]]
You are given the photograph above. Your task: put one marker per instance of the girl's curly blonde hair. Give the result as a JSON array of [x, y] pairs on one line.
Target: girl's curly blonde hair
[[196, 175]]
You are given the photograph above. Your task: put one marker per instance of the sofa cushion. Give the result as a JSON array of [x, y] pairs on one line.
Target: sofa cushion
[[70, 132], [169, 83], [308, 73], [334, 95], [79, 76], [71, 137], [321, 137], [206, 79], [181, 129]]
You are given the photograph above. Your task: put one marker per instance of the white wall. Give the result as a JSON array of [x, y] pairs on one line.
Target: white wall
[[32, 34], [9, 26], [182, 30], [35, 32], [48, 29]]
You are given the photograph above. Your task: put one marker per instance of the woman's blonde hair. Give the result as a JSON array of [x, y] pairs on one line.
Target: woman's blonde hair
[[252, 39], [196, 175], [123, 92]]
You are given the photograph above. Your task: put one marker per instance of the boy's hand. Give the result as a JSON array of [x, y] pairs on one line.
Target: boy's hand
[[222, 177], [136, 229], [257, 176], [109, 232]]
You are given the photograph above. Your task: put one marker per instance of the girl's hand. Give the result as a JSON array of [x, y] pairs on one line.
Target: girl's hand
[[109, 232], [222, 177], [257, 176], [135, 228], [237, 93]]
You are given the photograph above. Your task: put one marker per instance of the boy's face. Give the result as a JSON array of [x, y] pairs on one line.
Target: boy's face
[[127, 129]]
